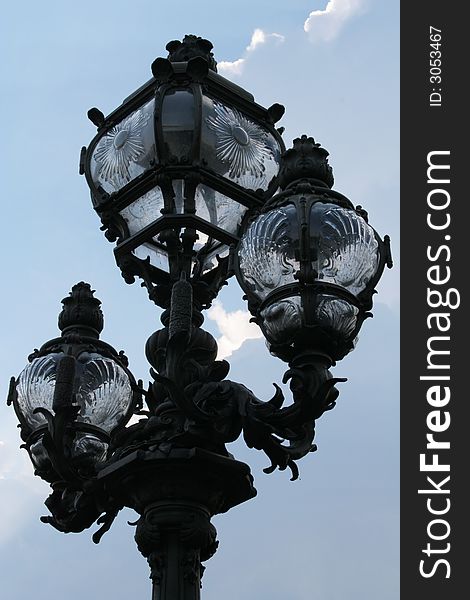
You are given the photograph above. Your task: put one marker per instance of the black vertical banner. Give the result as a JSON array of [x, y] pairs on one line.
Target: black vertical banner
[[435, 331]]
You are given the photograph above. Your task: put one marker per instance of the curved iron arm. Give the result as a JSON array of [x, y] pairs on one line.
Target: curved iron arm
[[192, 403]]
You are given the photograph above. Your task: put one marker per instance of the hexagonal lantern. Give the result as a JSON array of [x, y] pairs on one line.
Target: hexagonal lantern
[[174, 169], [310, 261]]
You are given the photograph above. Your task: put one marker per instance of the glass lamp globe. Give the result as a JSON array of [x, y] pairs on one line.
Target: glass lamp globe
[[310, 261], [76, 369]]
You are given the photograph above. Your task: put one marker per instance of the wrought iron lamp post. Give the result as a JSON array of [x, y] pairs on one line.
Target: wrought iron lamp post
[[192, 181]]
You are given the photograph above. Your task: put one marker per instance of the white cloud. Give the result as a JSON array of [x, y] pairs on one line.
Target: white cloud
[[324, 25], [258, 38], [235, 328], [231, 68]]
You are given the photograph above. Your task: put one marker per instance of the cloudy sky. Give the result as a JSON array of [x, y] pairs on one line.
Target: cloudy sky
[[334, 65]]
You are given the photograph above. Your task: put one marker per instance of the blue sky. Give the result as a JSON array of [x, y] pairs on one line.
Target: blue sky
[[334, 533]]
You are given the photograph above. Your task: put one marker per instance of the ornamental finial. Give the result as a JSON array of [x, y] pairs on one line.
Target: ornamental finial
[[81, 312], [305, 160], [190, 47]]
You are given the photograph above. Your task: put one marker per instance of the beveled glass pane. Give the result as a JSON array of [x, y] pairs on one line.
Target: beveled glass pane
[[348, 253], [235, 146], [178, 123], [143, 211], [125, 151], [266, 252]]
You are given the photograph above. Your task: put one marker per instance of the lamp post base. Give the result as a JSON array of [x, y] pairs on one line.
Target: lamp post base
[[176, 494]]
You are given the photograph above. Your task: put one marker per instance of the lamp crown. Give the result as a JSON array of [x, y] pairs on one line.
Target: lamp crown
[[305, 160], [191, 47], [81, 312]]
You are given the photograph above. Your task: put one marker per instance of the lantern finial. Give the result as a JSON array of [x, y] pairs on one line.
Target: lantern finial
[[190, 47], [305, 160], [81, 312]]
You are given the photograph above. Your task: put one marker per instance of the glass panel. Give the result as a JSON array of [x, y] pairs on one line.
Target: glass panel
[[348, 253], [207, 255], [143, 211], [35, 388], [178, 123], [104, 390], [236, 147], [214, 207], [211, 206], [337, 314], [125, 151], [89, 448], [282, 320], [266, 253], [157, 255]]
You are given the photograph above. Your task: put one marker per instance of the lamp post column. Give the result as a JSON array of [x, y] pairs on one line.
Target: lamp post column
[[174, 537]]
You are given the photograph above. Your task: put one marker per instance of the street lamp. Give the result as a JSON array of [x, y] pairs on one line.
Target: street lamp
[[192, 181]]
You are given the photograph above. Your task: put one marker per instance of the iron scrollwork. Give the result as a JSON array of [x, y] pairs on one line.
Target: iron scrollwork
[[191, 402]]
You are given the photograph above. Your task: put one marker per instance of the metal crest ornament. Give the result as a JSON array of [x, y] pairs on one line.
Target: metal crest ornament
[[191, 180]]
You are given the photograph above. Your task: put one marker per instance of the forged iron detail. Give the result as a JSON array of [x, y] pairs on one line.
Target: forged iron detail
[[305, 160], [71, 510], [211, 411], [81, 312], [192, 46]]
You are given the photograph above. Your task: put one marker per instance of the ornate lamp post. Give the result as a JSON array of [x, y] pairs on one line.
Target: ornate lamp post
[[183, 176]]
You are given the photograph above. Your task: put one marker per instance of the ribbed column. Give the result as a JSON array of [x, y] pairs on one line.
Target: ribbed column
[[174, 537]]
